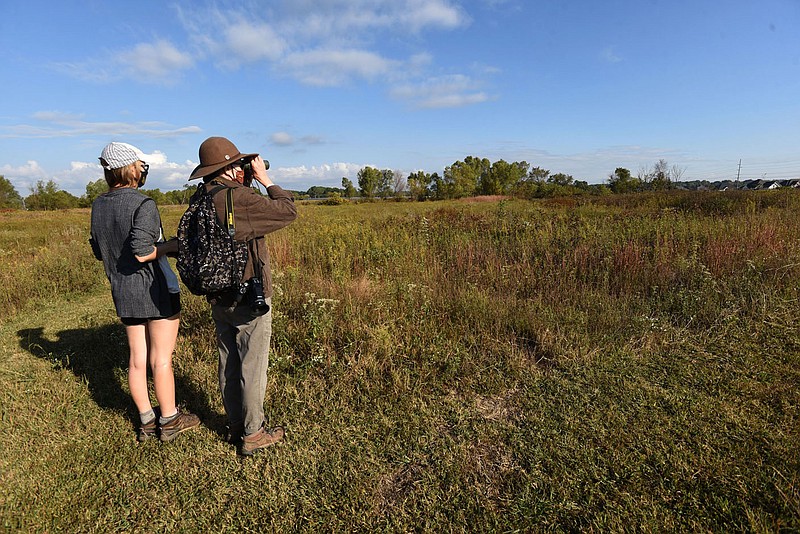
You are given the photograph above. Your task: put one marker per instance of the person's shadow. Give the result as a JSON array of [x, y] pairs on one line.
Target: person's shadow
[[99, 357]]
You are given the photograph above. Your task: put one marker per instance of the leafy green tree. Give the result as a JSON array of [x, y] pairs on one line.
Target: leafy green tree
[[419, 183], [319, 191], [385, 187], [177, 197], [47, 196], [538, 175], [349, 188], [581, 184], [155, 194], [502, 177], [461, 179], [9, 198], [369, 181], [94, 190], [438, 187], [660, 179], [560, 179], [621, 181]]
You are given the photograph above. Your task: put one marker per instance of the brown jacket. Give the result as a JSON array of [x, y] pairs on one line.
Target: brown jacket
[[255, 216]]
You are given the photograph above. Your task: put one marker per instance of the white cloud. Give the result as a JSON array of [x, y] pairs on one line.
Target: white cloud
[[56, 116], [57, 124], [336, 67], [159, 62], [31, 169], [282, 139], [418, 14], [329, 175], [246, 43], [441, 92], [323, 43], [325, 21]]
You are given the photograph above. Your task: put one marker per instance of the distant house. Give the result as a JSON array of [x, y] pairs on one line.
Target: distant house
[[754, 185], [733, 185]]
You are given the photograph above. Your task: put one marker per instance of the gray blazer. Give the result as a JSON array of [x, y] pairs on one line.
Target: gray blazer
[[126, 223]]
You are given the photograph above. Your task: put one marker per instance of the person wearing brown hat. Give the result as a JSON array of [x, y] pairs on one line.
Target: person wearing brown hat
[[126, 236], [243, 328]]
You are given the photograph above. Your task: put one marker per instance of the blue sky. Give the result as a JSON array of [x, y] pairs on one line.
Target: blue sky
[[323, 88]]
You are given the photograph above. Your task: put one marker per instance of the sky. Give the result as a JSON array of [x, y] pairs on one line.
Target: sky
[[323, 88]]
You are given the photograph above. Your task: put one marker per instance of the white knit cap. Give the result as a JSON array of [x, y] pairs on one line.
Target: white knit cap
[[118, 155]]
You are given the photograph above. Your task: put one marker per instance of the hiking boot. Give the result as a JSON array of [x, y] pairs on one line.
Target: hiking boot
[[147, 430], [264, 437], [184, 421]]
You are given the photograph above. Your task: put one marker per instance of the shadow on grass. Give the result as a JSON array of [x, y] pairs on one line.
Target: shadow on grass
[[99, 357]]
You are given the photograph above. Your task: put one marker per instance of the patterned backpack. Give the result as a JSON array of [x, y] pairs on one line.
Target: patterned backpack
[[209, 259]]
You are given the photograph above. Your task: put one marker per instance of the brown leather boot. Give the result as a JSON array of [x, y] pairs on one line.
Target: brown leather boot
[[264, 437], [183, 422]]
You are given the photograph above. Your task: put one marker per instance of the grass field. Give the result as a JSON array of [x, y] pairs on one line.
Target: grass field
[[625, 363]]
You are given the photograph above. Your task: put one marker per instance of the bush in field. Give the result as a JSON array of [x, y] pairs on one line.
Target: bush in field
[[334, 199]]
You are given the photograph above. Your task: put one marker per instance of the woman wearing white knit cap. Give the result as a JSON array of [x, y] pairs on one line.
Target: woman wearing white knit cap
[[127, 237]]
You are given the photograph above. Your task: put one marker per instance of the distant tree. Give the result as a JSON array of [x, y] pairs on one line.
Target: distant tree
[[502, 177], [385, 186], [9, 198], [319, 191], [155, 194], [661, 176], [560, 179], [621, 181], [94, 190], [437, 187], [419, 183], [676, 173], [461, 179], [399, 185], [349, 189], [47, 196], [180, 196], [538, 174], [369, 180]]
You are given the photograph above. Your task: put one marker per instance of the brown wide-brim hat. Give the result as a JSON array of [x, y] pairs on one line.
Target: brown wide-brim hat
[[216, 153]]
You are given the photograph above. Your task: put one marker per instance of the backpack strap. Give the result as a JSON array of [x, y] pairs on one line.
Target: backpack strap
[[229, 220]]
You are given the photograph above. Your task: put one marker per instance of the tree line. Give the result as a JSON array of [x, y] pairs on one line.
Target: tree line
[[478, 176], [472, 176]]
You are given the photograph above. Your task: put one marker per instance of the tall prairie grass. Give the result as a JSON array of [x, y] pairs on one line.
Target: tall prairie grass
[[626, 362]]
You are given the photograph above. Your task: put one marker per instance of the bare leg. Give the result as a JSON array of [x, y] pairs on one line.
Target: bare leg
[[137, 366], [162, 334]]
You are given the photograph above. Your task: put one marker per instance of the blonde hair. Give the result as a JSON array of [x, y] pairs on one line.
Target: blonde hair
[[126, 176]]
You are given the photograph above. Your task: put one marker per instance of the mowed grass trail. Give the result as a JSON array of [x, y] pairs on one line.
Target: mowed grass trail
[[614, 364]]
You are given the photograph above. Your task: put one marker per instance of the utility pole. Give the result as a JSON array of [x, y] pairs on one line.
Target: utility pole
[[739, 171]]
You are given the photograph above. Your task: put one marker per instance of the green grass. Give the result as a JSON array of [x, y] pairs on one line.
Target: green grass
[[623, 363]]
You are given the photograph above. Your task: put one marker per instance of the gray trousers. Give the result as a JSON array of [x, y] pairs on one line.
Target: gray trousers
[[243, 343]]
